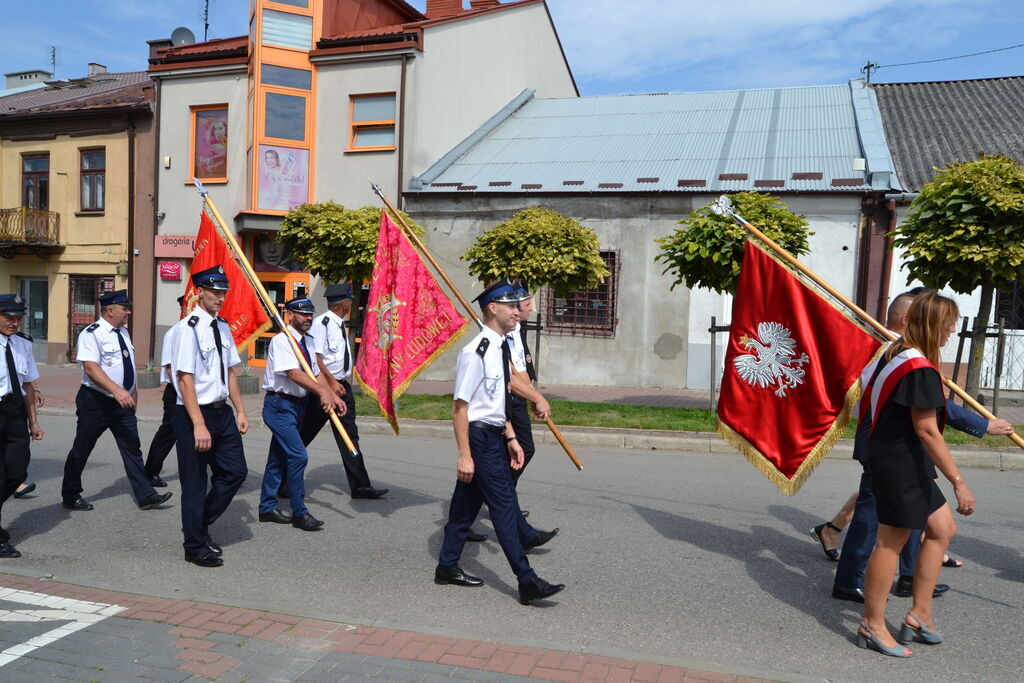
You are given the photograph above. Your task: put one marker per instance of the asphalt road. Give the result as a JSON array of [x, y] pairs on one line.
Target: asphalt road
[[673, 557]]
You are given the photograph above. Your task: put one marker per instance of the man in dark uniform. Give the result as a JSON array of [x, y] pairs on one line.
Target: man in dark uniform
[[487, 447], [208, 432], [333, 347], [163, 440], [18, 423], [522, 383], [107, 400]]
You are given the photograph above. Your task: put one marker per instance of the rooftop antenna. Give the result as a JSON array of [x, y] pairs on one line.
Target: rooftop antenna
[[868, 69], [204, 14], [182, 36], [53, 61]]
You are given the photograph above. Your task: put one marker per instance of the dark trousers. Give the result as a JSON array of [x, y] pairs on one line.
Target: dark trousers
[[287, 458], [860, 541], [491, 484], [519, 416], [164, 438], [14, 450], [313, 420], [96, 414], [226, 460]]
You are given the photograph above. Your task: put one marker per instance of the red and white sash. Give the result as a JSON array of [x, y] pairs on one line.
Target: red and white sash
[[878, 387]]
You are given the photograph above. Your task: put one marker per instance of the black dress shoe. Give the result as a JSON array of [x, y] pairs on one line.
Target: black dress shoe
[[155, 500], [905, 588], [7, 550], [474, 537], [21, 493], [276, 516], [77, 503], [212, 546], [538, 589], [307, 522], [540, 539], [851, 594], [204, 559], [369, 492], [456, 577], [157, 482]]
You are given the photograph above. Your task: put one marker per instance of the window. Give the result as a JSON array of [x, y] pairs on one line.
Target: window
[[285, 77], [93, 171], [35, 181], [210, 143], [287, 30], [372, 125], [285, 116], [588, 313]]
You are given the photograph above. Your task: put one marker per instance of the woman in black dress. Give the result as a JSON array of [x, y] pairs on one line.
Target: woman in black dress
[[905, 448]]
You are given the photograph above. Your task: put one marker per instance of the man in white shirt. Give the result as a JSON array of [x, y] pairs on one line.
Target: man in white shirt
[[287, 384], [208, 433], [106, 400], [163, 440]]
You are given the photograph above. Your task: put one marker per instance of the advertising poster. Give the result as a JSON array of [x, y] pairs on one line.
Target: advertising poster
[[211, 152], [284, 178]]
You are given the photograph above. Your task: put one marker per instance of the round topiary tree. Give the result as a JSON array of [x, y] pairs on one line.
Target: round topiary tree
[[335, 243], [708, 249], [541, 247]]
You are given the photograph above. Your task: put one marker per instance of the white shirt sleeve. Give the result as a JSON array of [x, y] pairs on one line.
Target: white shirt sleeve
[[88, 348], [284, 357], [468, 375], [185, 352]]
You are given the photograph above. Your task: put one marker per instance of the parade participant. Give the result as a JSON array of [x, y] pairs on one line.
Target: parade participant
[[330, 331], [107, 400], [487, 446], [860, 537], [906, 410], [522, 383], [18, 424], [207, 432], [164, 438], [26, 488], [286, 385]]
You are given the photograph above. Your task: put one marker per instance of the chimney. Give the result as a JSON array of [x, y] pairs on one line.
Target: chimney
[[17, 79], [96, 69], [483, 4], [158, 44], [443, 8]]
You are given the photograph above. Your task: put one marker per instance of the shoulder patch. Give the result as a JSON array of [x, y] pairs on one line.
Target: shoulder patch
[[325, 321], [482, 347], [92, 328], [23, 335], [193, 320], [223, 320]]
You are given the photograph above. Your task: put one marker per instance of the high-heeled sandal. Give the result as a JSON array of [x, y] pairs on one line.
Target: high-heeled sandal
[[830, 553], [950, 561], [864, 640], [909, 632]]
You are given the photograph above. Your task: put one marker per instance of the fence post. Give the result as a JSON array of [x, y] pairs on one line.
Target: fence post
[[711, 381], [1000, 350]]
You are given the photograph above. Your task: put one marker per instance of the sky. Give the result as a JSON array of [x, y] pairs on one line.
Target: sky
[[613, 46]]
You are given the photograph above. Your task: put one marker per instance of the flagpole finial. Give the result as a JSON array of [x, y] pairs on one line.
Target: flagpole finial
[[376, 188], [203, 192]]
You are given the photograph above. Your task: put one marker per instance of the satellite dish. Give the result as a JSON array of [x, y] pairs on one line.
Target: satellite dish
[[182, 36]]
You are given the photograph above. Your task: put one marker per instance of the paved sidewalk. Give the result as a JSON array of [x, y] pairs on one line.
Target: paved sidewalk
[[57, 630]]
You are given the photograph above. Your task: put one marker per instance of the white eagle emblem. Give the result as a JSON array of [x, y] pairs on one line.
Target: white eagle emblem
[[774, 359]]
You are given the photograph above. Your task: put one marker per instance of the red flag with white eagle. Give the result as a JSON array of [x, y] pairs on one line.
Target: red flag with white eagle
[[792, 371]]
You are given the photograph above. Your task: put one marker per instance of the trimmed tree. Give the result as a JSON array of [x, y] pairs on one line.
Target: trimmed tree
[[335, 243], [966, 230], [541, 247], [707, 250]]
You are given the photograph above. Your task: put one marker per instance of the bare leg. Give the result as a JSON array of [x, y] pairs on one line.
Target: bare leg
[[830, 536], [937, 534], [878, 579]]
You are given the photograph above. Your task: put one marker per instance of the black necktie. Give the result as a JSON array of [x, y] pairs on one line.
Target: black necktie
[[344, 340], [531, 371], [305, 351], [12, 371], [126, 360], [220, 354], [506, 358]]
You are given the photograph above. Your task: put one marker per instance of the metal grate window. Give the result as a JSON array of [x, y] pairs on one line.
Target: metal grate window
[[586, 313]]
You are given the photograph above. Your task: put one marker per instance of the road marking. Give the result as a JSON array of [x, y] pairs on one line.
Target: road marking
[[80, 613]]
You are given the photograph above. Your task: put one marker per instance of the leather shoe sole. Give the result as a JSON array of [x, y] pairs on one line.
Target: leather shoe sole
[[77, 504], [540, 539], [369, 493], [276, 516], [849, 594], [155, 501], [204, 559], [455, 577]]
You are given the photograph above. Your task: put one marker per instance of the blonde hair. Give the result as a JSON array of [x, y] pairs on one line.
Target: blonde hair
[[927, 317]]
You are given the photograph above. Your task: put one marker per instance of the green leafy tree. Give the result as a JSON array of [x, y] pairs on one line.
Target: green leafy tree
[[966, 230], [333, 242], [541, 247], [708, 249]]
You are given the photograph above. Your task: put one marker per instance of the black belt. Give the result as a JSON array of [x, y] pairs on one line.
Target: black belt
[[487, 427], [215, 404], [287, 397]]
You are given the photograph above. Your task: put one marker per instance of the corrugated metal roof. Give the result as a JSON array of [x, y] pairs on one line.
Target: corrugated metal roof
[[929, 125], [643, 143]]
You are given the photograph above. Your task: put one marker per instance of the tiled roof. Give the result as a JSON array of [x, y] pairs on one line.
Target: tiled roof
[[929, 125], [209, 47], [780, 140], [94, 92]]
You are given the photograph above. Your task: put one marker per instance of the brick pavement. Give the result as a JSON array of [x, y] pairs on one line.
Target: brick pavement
[[162, 639]]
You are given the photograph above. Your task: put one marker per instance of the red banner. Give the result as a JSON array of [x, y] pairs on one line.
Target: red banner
[[242, 308], [792, 371], [409, 321]]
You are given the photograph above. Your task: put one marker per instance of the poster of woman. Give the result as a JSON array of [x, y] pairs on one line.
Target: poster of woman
[[284, 177], [211, 152]]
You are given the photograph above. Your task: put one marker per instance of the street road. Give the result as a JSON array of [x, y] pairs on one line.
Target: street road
[[672, 557]]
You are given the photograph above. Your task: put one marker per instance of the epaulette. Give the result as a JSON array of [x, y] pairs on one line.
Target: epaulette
[[92, 328], [23, 335], [482, 347], [325, 321], [223, 320], [193, 320]]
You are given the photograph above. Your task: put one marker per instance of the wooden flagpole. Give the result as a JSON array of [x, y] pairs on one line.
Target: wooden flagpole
[[469, 309], [724, 206], [268, 304]]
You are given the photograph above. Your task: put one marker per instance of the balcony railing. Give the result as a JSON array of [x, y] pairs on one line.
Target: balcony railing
[[29, 226]]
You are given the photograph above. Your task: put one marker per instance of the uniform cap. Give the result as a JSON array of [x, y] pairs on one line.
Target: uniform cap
[[502, 291], [300, 304], [341, 290], [12, 304], [119, 296], [211, 278]]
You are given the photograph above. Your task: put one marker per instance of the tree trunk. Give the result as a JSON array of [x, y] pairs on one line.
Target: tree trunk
[[978, 340]]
